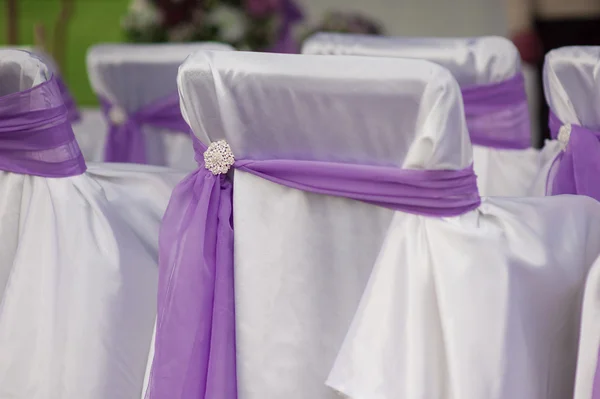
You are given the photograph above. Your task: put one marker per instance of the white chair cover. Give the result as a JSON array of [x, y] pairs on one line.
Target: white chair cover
[[572, 89], [78, 260], [472, 61], [337, 295], [132, 76], [90, 132]]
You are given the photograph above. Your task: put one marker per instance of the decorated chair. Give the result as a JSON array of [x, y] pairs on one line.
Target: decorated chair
[[365, 262], [136, 85], [488, 70], [571, 85], [78, 250]]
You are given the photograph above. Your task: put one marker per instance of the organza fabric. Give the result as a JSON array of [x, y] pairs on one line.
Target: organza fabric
[[132, 79], [78, 254], [334, 295], [126, 141], [576, 168], [290, 14], [488, 70], [37, 137], [88, 123]]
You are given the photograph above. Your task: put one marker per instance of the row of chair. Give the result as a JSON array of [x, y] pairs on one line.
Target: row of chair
[[373, 226]]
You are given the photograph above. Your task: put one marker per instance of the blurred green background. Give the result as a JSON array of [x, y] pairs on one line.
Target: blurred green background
[[94, 21]]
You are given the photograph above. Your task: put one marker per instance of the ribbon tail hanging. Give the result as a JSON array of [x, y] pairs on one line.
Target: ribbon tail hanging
[[195, 339]]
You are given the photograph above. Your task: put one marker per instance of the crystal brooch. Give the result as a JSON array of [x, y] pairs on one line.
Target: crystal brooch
[[218, 158], [117, 115], [564, 134]]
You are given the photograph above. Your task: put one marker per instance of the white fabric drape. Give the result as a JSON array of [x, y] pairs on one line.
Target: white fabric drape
[[78, 270], [337, 295], [571, 86], [132, 76], [472, 61]]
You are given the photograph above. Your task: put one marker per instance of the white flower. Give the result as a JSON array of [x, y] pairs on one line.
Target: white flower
[[231, 22], [142, 15]]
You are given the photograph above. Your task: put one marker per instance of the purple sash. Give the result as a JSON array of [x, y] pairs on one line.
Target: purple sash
[[126, 141], [195, 354], [498, 115], [36, 137], [74, 115], [576, 169], [290, 14]]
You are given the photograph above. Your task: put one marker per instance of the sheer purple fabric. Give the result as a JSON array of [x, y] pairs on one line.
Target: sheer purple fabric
[[596, 386], [290, 14], [576, 169], [195, 354], [126, 140], [498, 115], [36, 137], [74, 115]]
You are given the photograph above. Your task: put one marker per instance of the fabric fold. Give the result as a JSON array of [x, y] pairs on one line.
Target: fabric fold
[[195, 336]]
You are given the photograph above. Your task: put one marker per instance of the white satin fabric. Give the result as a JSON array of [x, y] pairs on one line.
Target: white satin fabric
[[20, 70], [78, 271], [472, 61], [90, 133], [131, 76], [571, 85], [335, 295]]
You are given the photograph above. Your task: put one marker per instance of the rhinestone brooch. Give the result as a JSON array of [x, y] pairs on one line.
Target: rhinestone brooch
[[117, 115], [218, 158], [564, 134]]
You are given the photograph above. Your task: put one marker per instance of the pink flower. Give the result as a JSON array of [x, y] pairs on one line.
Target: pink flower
[[261, 8]]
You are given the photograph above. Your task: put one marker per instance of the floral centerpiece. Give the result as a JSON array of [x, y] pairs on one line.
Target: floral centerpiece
[[245, 24]]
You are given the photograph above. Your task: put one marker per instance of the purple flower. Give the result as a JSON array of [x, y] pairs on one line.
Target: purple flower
[[261, 8]]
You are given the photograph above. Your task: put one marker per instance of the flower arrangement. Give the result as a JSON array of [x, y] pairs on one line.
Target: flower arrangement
[[347, 22], [245, 24]]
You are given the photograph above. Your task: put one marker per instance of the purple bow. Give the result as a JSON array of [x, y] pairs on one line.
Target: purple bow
[[126, 140], [195, 354], [498, 114], [576, 169], [36, 137]]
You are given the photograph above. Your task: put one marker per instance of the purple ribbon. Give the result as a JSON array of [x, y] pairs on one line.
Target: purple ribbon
[[195, 354], [290, 14], [126, 140], [36, 137], [73, 112], [498, 114], [576, 169]]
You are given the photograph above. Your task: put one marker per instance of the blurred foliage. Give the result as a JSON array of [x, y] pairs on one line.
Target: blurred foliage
[[94, 21]]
